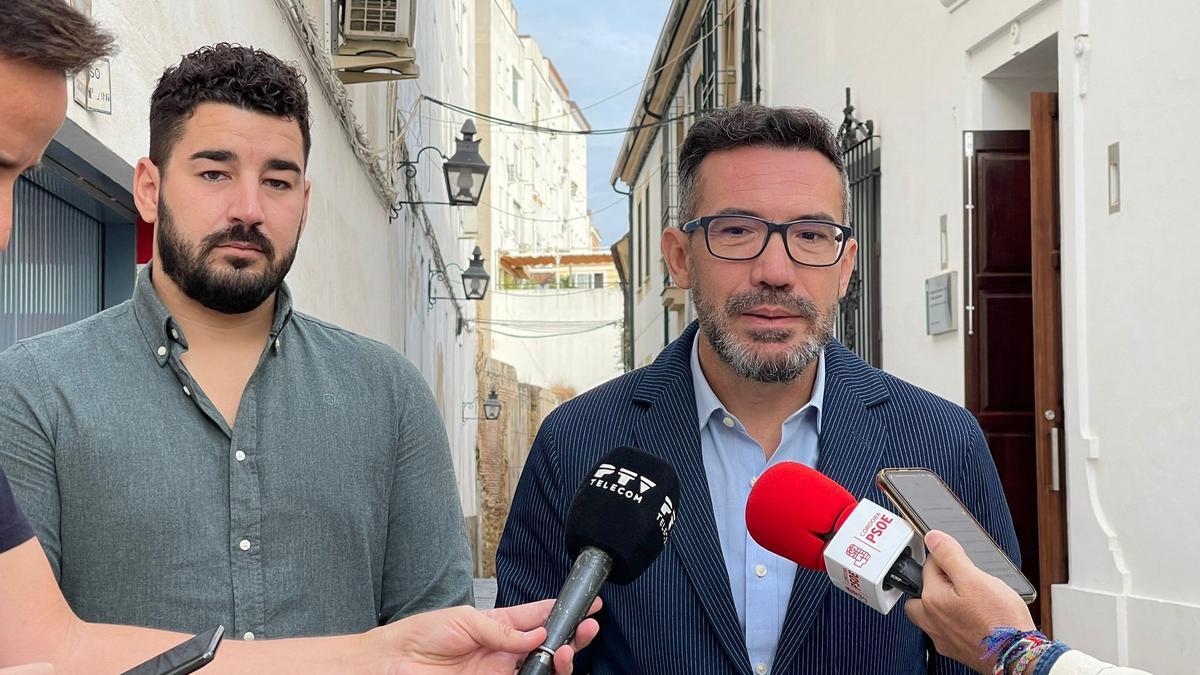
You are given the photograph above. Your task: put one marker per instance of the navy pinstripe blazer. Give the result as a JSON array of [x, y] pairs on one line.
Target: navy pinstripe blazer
[[679, 616]]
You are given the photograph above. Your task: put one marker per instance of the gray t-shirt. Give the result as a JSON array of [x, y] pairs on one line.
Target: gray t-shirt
[[330, 507]]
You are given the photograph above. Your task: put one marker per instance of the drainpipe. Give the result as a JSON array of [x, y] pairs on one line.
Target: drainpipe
[[627, 352]]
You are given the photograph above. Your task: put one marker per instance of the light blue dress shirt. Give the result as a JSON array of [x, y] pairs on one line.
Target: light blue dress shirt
[[733, 460]]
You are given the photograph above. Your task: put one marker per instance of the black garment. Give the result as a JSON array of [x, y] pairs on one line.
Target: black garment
[[14, 526]]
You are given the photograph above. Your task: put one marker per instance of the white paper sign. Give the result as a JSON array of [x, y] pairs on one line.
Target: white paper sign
[[93, 87]]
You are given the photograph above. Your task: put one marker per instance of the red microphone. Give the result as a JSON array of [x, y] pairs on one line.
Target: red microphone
[[871, 553]]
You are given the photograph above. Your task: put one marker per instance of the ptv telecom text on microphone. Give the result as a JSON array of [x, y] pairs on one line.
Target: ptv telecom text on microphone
[[869, 552], [617, 525]]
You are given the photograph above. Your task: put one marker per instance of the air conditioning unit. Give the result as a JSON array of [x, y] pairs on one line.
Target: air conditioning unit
[[388, 20], [377, 41]]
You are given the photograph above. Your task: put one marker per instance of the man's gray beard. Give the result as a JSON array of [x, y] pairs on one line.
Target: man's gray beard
[[741, 357]]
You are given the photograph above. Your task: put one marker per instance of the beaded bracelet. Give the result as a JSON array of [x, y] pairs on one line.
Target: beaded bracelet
[[1009, 644], [1023, 658]]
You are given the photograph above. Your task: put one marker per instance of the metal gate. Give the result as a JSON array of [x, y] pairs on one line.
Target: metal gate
[[858, 324], [52, 273]]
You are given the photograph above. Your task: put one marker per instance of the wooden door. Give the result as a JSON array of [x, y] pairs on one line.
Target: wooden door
[[998, 290], [1047, 347]]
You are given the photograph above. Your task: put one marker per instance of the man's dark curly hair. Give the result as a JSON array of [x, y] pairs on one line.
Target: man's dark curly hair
[[248, 78]]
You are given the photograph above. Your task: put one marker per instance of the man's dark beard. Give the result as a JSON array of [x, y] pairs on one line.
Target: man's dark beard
[[235, 292], [714, 325]]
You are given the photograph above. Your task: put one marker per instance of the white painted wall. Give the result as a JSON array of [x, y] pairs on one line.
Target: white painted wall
[[1129, 282], [577, 361], [1133, 319], [354, 268], [444, 41]]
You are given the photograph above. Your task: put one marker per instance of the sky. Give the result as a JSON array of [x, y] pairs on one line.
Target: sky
[[599, 47]]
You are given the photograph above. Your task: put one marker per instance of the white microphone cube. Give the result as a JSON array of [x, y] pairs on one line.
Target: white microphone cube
[[859, 557]]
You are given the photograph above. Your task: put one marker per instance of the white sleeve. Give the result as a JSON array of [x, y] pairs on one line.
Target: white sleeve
[[1078, 663]]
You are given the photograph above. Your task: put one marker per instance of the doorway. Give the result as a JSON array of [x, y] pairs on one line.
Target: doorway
[[1013, 342]]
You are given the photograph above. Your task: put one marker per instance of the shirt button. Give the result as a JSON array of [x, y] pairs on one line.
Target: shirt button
[[244, 544], [761, 669], [186, 391], [248, 635], [240, 456], [728, 421], [760, 571], [162, 351], [174, 334], [753, 480]]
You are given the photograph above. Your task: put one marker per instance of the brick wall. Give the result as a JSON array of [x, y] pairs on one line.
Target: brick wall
[[503, 446]]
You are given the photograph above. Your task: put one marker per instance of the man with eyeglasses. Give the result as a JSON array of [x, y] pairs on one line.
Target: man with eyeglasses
[[759, 379]]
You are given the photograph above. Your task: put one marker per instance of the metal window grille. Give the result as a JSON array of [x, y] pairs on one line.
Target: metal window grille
[[858, 323]]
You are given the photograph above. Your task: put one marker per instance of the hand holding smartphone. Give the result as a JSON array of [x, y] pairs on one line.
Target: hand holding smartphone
[[927, 504]]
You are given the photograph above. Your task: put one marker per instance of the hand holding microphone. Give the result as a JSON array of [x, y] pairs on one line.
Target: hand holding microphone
[[871, 553], [617, 525]]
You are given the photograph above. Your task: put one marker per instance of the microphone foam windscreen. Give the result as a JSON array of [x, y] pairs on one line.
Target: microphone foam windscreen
[[794, 509], [626, 508]]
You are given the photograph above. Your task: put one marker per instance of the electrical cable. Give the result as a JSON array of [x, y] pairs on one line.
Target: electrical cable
[[519, 292], [654, 171], [530, 219], [547, 130], [538, 337], [539, 324]]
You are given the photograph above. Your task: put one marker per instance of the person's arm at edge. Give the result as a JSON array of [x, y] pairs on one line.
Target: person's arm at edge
[[28, 422], [37, 625], [961, 605], [1076, 662]]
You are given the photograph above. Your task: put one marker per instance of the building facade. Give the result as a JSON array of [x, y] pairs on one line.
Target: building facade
[[697, 66], [549, 328], [558, 317], [537, 201], [1001, 157]]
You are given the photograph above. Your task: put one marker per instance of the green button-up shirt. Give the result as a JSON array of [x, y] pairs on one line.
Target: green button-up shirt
[[329, 507]]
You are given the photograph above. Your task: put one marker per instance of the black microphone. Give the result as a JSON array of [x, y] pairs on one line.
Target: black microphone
[[617, 525]]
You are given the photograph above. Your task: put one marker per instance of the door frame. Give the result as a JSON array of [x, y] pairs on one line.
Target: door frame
[[1045, 243], [1046, 296]]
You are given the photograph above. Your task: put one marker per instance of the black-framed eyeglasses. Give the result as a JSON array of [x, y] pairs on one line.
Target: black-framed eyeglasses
[[812, 243]]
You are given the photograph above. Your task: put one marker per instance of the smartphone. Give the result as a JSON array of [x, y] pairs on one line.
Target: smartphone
[[927, 504], [187, 657]]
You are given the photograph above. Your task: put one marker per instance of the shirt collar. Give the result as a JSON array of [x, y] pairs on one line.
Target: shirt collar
[[707, 402], [160, 328]]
